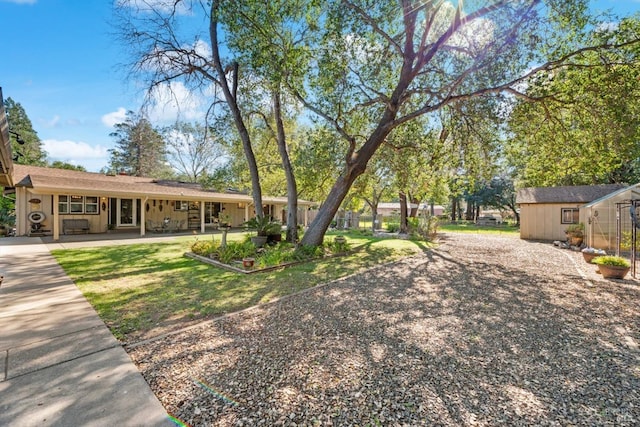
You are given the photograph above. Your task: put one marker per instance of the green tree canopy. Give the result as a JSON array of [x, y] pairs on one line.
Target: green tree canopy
[[586, 126], [30, 152]]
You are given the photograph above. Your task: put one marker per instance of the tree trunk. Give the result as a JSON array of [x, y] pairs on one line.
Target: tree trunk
[[415, 204], [374, 216], [469, 212], [403, 213], [315, 234], [230, 98], [356, 161], [454, 205], [292, 188]]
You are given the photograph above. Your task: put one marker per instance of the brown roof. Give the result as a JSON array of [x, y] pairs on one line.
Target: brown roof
[[62, 181], [572, 194]]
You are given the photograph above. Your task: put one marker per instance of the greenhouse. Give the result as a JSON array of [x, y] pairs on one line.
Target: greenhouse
[[600, 219]]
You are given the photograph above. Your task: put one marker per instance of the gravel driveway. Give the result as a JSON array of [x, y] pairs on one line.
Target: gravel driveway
[[484, 330]]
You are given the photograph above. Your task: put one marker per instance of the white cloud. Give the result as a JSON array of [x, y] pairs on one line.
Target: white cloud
[[73, 151], [174, 101], [111, 119]]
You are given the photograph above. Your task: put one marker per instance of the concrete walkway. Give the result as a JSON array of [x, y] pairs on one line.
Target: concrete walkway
[[59, 364]]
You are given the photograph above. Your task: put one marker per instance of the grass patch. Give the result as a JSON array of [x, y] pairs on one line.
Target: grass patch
[[139, 287], [470, 227]]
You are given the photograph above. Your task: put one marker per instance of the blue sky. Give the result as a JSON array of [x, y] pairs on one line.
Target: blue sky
[[60, 61]]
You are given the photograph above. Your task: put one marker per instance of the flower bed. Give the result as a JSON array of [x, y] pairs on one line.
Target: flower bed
[[281, 254]]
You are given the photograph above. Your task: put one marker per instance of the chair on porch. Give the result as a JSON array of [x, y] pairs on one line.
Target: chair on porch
[[174, 225], [153, 226]]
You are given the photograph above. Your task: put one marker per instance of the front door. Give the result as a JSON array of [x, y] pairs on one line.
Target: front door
[[126, 212]]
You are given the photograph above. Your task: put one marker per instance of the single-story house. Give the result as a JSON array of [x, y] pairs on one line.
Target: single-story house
[[48, 199], [545, 212]]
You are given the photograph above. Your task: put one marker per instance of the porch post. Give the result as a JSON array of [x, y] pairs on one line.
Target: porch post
[[143, 222], [246, 212], [202, 216], [55, 221], [306, 217]]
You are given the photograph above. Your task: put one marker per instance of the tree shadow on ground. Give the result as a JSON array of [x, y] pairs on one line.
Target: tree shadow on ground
[[484, 336]]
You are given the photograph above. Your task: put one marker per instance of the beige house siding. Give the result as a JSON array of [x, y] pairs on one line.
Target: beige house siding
[[543, 221], [154, 201]]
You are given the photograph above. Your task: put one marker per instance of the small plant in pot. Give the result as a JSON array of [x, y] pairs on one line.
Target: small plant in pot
[[263, 227], [590, 253], [612, 267], [575, 234]]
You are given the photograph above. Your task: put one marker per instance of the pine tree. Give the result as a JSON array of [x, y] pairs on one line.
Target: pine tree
[[30, 152], [140, 149]]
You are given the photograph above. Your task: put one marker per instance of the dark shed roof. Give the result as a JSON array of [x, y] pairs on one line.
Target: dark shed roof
[[573, 194]]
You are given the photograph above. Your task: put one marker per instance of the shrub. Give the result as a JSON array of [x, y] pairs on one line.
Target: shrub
[[393, 227], [307, 252], [203, 248], [575, 229], [234, 251], [276, 255], [337, 246], [612, 260]]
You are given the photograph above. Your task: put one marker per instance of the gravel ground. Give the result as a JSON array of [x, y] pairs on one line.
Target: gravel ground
[[482, 331]]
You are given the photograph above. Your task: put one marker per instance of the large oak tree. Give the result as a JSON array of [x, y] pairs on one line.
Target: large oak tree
[[364, 67]]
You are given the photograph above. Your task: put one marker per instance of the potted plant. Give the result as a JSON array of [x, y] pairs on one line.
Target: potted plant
[[224, 221], [263, 227], [612, 267], [575, 234], [590, 253]]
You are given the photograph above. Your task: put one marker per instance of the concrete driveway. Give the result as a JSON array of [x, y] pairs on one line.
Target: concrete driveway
[[59, 364]]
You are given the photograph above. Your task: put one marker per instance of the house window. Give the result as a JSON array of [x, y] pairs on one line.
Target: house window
[[570, 216], [63, 204], [91, 205], [77, 205], [181, 205]]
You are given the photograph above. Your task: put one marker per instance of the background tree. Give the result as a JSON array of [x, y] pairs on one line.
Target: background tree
[[585, 129], [140, 149], [193, 150], [59, 164], [164, 53], [31, 152], [374, 186]]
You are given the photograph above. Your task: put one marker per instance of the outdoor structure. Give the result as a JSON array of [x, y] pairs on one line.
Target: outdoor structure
[[545, 212], [600, 218], [53, 201]]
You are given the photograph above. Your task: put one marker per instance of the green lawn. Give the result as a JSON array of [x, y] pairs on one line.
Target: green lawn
[[469, 227], [138, 287]]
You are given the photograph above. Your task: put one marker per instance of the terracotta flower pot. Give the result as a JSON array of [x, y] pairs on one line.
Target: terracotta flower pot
[[575, 240], [613, 271], [589, 256], [248, 262]]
